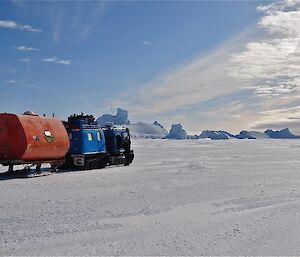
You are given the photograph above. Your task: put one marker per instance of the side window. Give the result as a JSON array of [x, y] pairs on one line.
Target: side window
[[119, 141], [98, 135], [125, 135], [88, 136]]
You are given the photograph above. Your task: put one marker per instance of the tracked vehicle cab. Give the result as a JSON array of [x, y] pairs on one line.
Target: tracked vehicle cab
[[118, 145], [87, 143]]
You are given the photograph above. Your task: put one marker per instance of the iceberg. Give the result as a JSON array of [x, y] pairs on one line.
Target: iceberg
[[147, 130], [281, 134], [121, 118], [251, 135], [214, 135], [177, 132]]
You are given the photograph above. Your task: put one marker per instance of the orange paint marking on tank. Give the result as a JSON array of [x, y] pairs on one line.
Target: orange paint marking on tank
[[32, 138]]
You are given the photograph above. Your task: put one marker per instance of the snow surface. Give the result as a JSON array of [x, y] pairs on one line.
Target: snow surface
[[187, 197]]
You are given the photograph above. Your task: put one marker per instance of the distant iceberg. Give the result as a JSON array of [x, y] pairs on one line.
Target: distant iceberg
[[121, 118], [177, 132], [215, 135], [221, 135], [156, 130], [192, 137], [251, 135], [138, 129], [281, 134], [147, 130]]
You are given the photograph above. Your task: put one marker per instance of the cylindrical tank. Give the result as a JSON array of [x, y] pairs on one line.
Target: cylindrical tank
[[30, 138]]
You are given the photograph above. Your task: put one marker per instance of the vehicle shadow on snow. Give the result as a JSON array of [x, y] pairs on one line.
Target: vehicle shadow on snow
[[31, 173], [24, 173]]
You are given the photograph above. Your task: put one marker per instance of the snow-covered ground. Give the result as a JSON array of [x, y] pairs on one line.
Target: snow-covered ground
[[189, 197]]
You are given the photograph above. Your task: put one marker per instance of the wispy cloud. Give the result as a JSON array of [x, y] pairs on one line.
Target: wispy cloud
[[85, 26], [14, 25], [264, 62], [26, 48], [33, 86], [25, 60], [56, 16], [204, 78], [148, 43], [22, 84], [54, 59], [10, 81], [68, 22]]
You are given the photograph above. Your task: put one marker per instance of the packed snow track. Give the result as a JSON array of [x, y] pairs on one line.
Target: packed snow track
[[189, 197]]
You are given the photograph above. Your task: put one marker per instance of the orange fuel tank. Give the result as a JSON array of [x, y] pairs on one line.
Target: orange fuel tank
[[31, 138]]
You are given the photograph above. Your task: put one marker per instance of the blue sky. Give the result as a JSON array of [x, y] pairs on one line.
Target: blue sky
[[172, 61]]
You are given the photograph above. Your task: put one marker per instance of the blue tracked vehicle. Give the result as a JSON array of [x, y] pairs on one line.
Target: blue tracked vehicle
[[93, 147], [118, 145]]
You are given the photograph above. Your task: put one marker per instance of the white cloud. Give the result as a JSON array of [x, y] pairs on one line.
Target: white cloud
[[147, 43], [14, 25], [267, 66], [282, 22], [10, 81], [272, 65], [56, 60], [25, 60], [278, 6], [26, 48], [279, 119]]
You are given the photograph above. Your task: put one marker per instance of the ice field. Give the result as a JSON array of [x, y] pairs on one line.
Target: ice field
[[185, 197]]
